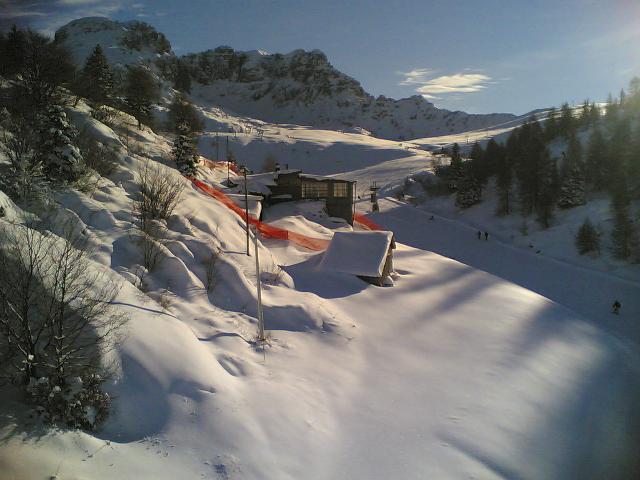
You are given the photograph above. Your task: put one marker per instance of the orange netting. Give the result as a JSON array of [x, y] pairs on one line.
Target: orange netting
[[232, 166], [269, 231], [362, 220]]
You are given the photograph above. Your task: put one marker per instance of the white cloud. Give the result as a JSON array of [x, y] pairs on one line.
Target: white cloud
[[417, 76], [444, 84]]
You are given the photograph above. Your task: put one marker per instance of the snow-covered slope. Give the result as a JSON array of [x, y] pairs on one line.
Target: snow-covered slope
[[123, 43], [489, 366], [298, 87]]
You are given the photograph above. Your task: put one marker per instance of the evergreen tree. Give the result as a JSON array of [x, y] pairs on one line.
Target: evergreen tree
[[618, 156], [633, 98], [587, 238], [24, 178], [596, 165], [14, 52], [632, 165], [469, 191], [496, 157], [594, 113], [585, 114], [611, 110], [623, 233], [623, 98], [551, 124], [182, 80], [480, 168], [185, 152], [572, 190], [141, 92], [567, 122], [181, 111], [62, 160], [45, 67], [96, 78], [455, 171]]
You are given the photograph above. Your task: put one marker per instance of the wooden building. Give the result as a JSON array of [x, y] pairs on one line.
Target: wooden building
[[368, 255], [291, 185]]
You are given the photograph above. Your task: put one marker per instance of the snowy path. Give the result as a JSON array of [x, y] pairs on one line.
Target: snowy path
[[587, 292]]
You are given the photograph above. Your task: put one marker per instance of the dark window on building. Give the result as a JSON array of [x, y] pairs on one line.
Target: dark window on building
[[315, 190], [341, 190]]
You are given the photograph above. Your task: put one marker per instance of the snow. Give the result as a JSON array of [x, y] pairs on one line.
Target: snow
[[486, 360], [358, 253]]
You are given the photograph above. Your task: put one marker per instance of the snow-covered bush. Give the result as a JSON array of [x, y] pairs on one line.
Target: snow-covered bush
[[23, 177], [62, 159], [80, 403], [159, 193], [57, 321]]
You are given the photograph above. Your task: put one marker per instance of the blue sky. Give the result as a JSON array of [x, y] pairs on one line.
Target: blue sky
[[478, 56]]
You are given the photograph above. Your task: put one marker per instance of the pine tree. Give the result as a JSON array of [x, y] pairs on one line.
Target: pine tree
[[567, 122], [45, 67], [96, 78], [480, 168], [551, 124], [496, 156], [595, 114], [596, 165], [182, 80], [185, 152], [455, 171], [181, 111], [587, 238], [624, 234], [14, 52], [585, 114], [62, 160], [141, 92], [572, 189], [469, 191], [24, 178], [632, 165], [611, 110]]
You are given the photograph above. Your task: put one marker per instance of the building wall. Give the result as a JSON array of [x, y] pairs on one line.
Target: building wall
[[337, 206]]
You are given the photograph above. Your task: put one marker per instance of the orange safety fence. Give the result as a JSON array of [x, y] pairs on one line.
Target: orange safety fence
[[232, 166], [362, 220], [268, 231]]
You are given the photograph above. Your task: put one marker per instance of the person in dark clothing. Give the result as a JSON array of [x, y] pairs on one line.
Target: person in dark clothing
[[616, 307], [479, 234], [486, 235]]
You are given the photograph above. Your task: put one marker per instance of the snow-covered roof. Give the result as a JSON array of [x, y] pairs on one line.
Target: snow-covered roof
[[357, 253], [325, 177], [257, 183]]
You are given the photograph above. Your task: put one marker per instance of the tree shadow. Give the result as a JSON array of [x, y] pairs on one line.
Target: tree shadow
[[141, 409], [308, 277]]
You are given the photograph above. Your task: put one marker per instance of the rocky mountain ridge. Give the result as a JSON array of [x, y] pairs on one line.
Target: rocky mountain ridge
[[300, 87]]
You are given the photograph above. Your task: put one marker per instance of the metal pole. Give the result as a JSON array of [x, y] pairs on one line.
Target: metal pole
[[227, 149], [246, 207], [355, 192], [258, 286]]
